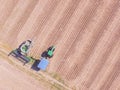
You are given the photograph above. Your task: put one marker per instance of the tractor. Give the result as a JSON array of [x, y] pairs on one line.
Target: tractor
[[50, 51]]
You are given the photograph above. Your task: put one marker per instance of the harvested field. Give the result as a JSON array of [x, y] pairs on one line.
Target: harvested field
[[86, 34], [13, 79]]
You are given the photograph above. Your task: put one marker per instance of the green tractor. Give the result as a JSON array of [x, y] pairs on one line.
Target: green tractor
[[50, 51]]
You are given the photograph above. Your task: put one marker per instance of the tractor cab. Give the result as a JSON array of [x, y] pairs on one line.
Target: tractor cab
[[50, 51]]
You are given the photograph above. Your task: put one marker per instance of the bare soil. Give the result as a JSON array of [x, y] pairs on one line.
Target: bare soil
[[12, 78]]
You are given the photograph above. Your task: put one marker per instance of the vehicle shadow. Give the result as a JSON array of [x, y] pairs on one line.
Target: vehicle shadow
[[35, 64], [44, 54]]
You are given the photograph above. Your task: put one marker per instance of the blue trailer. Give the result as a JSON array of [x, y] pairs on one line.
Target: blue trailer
[[43, 64]]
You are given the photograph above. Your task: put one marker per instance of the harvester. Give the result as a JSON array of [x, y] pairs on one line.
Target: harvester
[[21, 52], [19, 56]]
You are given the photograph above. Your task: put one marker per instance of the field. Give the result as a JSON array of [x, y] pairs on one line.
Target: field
[[13, 79], [86, 34]]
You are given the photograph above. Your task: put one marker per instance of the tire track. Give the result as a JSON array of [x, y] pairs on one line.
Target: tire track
[[27, 30], [22, 20], [50, 25], [98, 34], [101, 62], [82, 23], [45, 16], [13, 18], [62, 23], [114, 74], [100, 54], [107, 70], [115, 84], [4, 17], [68, 31], [8, 7]]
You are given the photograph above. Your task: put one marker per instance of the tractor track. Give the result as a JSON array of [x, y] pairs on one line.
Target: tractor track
[[99, 30], [61, 24], [49, 10], [34, 19], [114, 73], [66, 36], [110, 68], [23, 19], [114, 83], [96, 67], [83, 23], [101, 63], [10, 8], [43, 30], [44, 18], [95, 40]]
